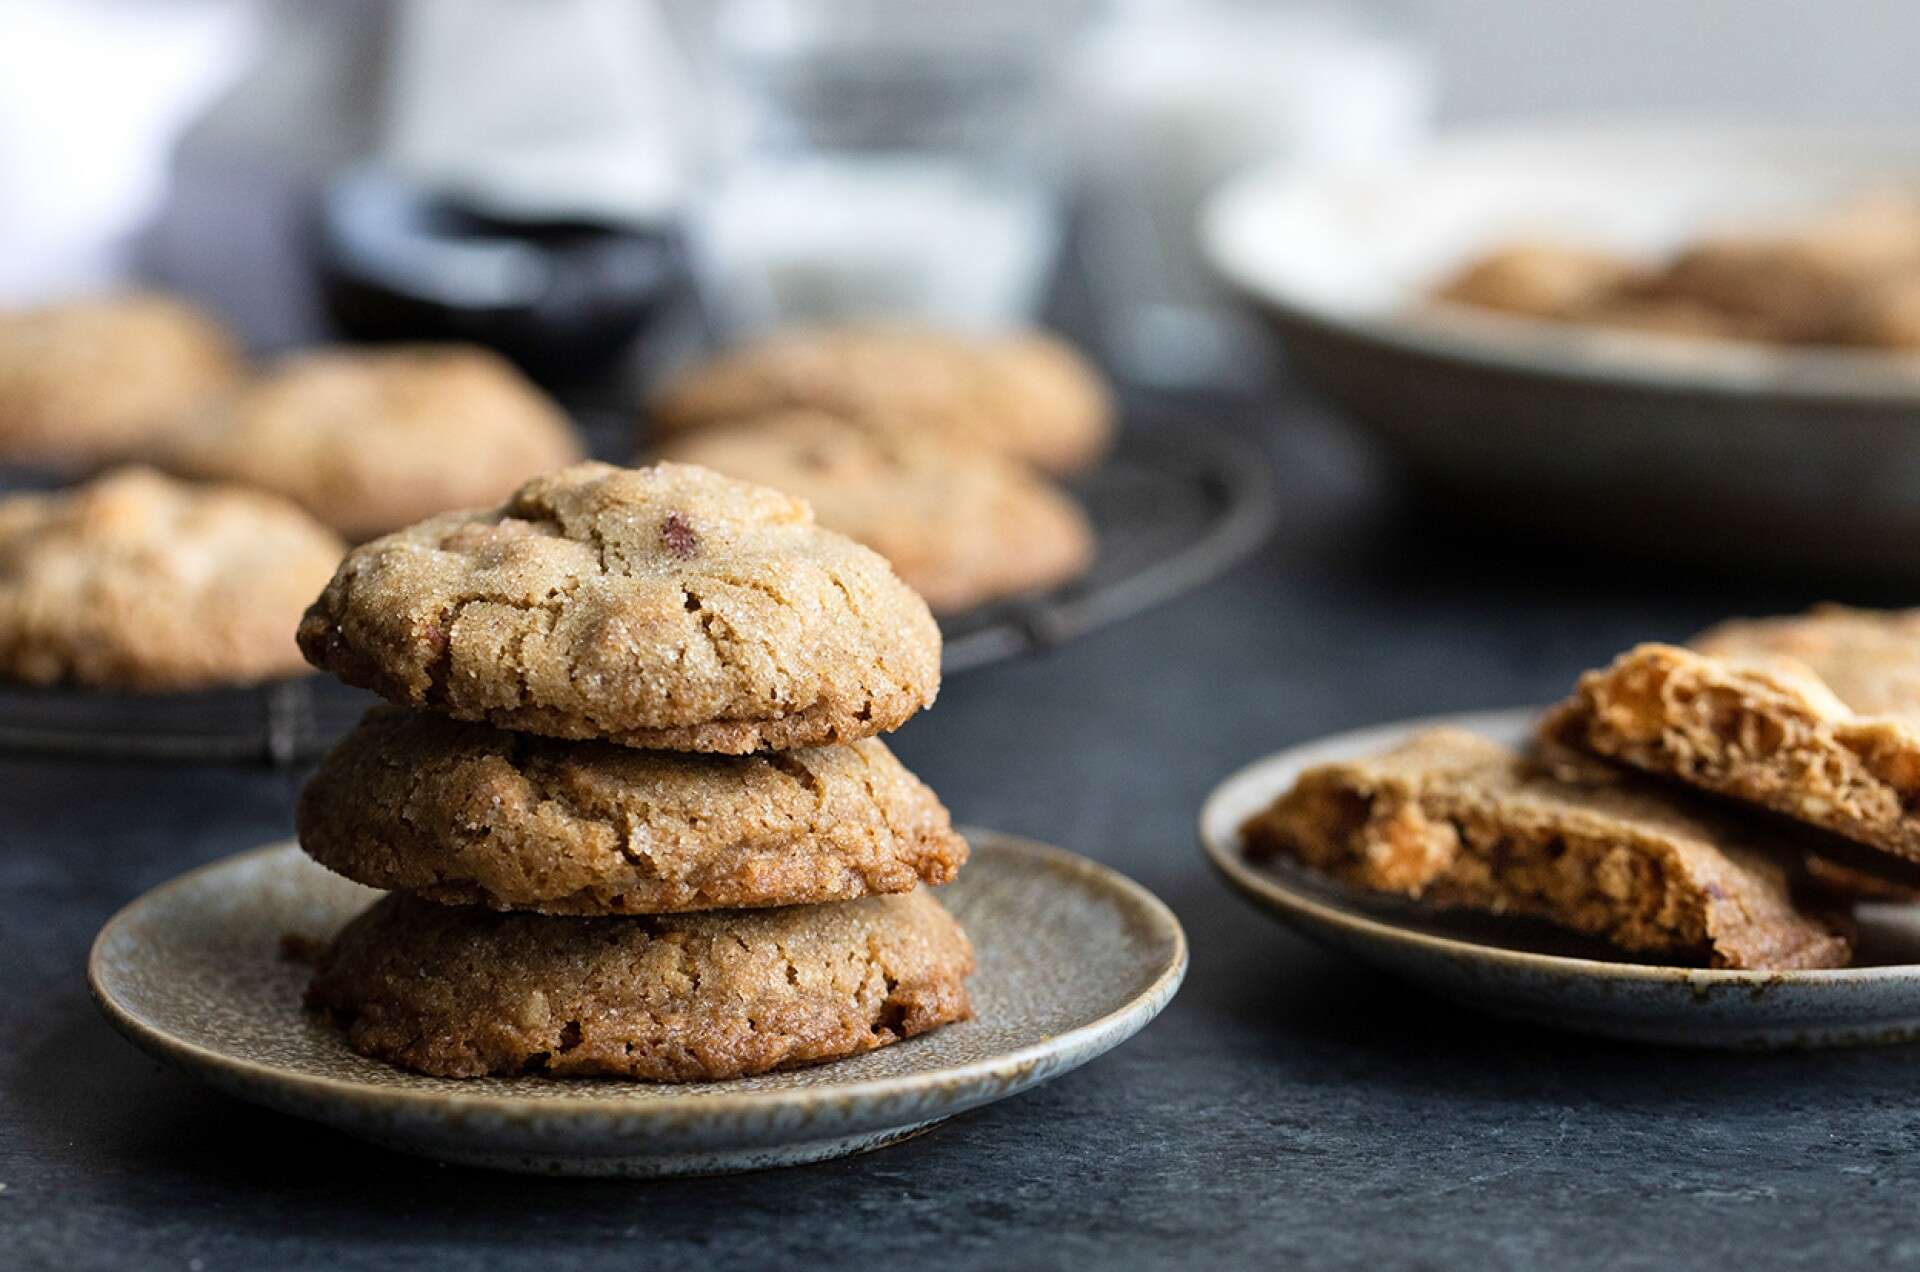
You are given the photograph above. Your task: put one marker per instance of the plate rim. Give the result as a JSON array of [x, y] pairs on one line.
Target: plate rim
[[1515, 345], [1086, 1040], [1271, 893]]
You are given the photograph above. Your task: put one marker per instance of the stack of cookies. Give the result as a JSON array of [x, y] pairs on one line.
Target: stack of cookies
[[1718, 802], [632, 805]]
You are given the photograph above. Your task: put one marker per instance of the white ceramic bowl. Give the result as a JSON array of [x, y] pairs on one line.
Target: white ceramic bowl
[[1720, 451]]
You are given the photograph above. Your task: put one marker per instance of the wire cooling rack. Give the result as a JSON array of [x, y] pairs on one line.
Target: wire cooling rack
[[1176, 503]]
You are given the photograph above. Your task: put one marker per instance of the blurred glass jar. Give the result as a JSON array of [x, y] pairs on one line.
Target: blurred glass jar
[[877, 159], [1168, 99]]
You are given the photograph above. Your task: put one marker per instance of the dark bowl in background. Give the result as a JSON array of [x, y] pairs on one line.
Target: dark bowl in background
[[564, 298]]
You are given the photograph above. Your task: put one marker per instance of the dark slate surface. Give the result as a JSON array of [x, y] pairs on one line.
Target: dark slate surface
[[1286, 1107]]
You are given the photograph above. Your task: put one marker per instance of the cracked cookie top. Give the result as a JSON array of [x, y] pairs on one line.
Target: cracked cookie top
[[962, 527], [460, 991], [664, 607], [372, 440], [1026, 395], [138, 581], [467, 814]]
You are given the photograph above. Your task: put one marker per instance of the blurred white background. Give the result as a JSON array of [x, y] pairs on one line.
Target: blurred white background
[[94, 94], [1837, 61]]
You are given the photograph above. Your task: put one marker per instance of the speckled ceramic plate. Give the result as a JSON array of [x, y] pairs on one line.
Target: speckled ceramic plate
[[1073, 960], [1527, 971]]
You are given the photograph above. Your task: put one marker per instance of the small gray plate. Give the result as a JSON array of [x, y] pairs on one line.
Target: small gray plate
[[1073, 960], [1522, 971]]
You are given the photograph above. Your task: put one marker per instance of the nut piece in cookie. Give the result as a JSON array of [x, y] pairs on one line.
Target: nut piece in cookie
[[1027, 396], [1761, 728], [94, 381], [370, 440], [961, 527], [469, 814], [665, 607], [138, 581], [1458, 821], [460, 991]]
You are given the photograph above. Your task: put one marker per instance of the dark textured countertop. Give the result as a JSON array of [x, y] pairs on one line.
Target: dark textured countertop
[[1286, 1107]]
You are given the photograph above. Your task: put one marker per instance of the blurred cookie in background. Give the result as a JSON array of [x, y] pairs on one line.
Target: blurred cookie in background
[[1887, 316], [1026, 395], [1543, 280], [1802, 283], [138, 581], [1848, 275], [961, 527], [86, 382], [369, 440], [1869, 659], [1649, 311], [1788, 291]]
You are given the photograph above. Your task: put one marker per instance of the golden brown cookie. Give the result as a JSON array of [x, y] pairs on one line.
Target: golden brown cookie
[[92, 381], [469, 814], [1886, 314], [369, 440], [1456, 820], [460, 991], [1542, 280], [1659, 315], [1782, 290], [138, 581], [1028, 396], [660, 607], [961, 527], [1809, 282], [1760, 728]]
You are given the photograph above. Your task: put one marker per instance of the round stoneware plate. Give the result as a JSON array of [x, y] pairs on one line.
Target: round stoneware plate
[[1073, 960], [1726, 451], [1530, 972]]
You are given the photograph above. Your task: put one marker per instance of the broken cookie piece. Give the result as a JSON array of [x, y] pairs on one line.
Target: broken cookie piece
[[1760, 728], [1456, 820]]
